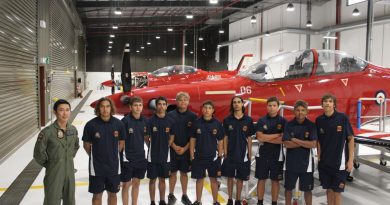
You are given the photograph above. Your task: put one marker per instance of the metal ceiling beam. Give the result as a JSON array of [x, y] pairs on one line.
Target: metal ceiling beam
[[145, 19]]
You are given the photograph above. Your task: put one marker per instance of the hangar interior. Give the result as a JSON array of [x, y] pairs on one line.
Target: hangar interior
[[49, 48]]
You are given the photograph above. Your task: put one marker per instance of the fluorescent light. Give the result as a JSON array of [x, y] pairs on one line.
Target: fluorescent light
[[356, 12], [253, 19], [290, 7], [114, 26], [118, 11], [169, 29], [213, 1], [112, 36]]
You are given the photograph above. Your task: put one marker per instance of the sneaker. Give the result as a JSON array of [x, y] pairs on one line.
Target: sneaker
[[171, 199], [216, 203], [197, 203], [162, 203], [230, 202], [185, 200], [237, 202]]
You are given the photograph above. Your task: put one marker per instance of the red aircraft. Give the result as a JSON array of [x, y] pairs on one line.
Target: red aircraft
[[290, 76]]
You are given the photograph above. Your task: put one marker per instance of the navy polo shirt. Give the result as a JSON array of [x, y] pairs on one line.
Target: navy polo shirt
[[270, 125], [238, 131], [207, 134], [136, 130], [160, 130], [183, 124], [104, 137], [300, 159], [333, 132]]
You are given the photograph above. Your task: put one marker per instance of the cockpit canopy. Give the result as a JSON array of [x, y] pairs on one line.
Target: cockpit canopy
[[300, 64], [173, 70]]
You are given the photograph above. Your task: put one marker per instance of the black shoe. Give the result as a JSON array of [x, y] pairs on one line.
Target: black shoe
[[185, 200], [350, 178], [197, 203], [237, 202], [230, 202], [152, 203], [216, 203], [162, 203], [171, 199]]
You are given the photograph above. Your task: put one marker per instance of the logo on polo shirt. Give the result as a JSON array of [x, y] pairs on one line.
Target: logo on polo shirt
[[155, 129], [278, 126], [322, 131], [97, 135], [292, 134], [265, 127], [167, 129], [245, 128], [60, 134], [131, 131], [40, 136], [339, 128], [214, 131], [189, 124], [198, 131], [341, 185], [307, 134], [116, 133], [230, 127], [145, 129]]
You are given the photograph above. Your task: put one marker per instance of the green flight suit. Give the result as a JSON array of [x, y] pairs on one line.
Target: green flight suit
[[55, 149]]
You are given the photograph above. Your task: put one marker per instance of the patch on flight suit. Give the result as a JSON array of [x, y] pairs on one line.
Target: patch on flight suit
[[60, 134], [189, 124], [214, 131], [154, 129], [40, 136], [245, 128], [116, 134], [341, 185], [278, 126], [167, 129], [339, 128], [97, 135], [131, 131], [322, 131], [307, 134], [265, 127], [230, 127], [198, 131]]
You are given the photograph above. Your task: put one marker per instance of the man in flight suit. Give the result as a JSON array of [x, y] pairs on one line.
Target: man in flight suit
[[55, 149]]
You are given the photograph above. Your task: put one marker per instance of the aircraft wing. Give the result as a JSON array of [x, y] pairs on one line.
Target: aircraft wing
[[374, 138]]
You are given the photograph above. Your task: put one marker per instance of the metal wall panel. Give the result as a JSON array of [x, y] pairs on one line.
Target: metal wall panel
[[18, 73], [62, 53]]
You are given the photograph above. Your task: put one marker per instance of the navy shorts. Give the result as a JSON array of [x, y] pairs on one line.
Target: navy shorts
[[306, 180], [160, 170], [332, 178], [182, 165], [199, 167], [97, 184], [130, 170], [237, 170], [268, 168]]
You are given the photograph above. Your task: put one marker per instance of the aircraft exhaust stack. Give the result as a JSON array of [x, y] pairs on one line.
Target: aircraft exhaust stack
[[126, 69]]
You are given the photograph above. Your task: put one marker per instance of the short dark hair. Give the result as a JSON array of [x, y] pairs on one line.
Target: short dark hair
[[208, 102], [329, 96], [59, 102], [231, 104], [273, 99], [161, 98], [300, 103], [97, 107], [135, 99]]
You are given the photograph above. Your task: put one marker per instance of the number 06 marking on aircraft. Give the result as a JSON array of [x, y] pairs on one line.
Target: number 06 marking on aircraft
[[246, 90]]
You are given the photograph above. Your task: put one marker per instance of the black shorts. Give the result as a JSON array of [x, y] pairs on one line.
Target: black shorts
[[97, 184], [129, 171], [182, 165], [237, 170], [306, 181], [268, 168], [332, 178], [161, 170], [199, 167]]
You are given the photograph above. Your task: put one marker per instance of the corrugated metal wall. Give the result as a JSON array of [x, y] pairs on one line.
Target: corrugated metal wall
[[62, 42], [18, 73]]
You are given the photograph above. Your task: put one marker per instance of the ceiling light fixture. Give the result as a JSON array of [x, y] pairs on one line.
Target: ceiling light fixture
[[118, 11], [221, 31], [148, 43], [267, 33], [112, 36], [142, 47], [356, 12], [290, 7], [200, 38], [109, 46], [192, 52], [169, 29], [137, 51], [240, 39], [157, 37], [109, 51], [253, 19], [185, 44], [309, 24], [164, 51], [173, 48], [189, 16], [213, 1], [114, 26], [203, 49], [110, 42]]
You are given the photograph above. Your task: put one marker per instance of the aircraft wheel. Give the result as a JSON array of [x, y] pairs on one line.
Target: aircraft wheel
[[356, 165], [383, 162]]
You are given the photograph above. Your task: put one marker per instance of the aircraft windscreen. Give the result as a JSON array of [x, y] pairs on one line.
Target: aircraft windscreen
[[289, 65], [331, 62], [173, 70]]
